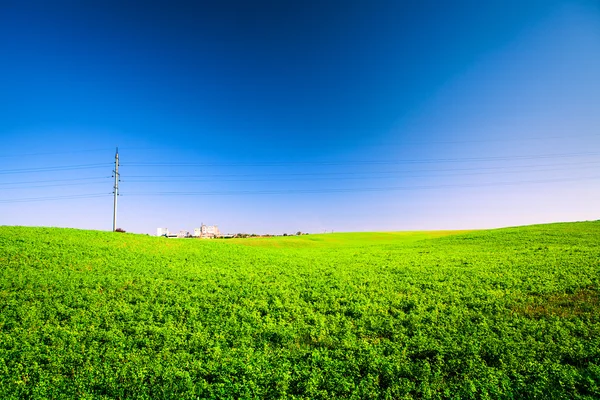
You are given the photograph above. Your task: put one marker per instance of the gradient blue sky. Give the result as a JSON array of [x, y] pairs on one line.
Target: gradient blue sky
[[310, 116]]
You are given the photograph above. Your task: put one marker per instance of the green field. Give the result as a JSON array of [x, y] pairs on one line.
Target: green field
[[507, 313]]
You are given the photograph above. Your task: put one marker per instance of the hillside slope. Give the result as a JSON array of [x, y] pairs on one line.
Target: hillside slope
[[507, 313]]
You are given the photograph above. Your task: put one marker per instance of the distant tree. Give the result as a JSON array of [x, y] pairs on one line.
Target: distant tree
[[120, 230], [298, 233], [285, 234]]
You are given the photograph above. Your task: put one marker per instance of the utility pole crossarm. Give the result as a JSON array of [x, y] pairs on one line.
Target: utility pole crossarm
[[116, 189]]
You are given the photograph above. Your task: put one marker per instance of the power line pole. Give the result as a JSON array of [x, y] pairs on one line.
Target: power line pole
[[116, 189]]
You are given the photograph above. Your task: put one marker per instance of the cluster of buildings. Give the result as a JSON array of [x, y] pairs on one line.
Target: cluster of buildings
[[204, 232], [211, 232]]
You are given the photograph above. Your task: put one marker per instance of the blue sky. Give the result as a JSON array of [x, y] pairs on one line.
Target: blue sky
[[310, 116]]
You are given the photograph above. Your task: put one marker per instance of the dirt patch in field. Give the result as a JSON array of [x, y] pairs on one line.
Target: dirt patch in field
[[583, 302]]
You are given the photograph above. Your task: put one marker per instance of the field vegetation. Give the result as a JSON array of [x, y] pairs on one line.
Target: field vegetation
[[501, 314]]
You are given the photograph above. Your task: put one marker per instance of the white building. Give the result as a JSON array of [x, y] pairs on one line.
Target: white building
[[162, 232], [207, 231]]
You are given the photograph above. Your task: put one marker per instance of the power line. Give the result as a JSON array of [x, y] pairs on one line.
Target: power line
[[49, 153], [136, 178], [55, 180], [353, 176], [593, 163], [364, 162], [74, 196], [496, 140], [346, 190], [391, 143], [409, 142], [51, 169], [52, 153], [53, 185]]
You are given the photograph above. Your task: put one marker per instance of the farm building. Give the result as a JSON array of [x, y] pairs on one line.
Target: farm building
[[162, 231], [207, 231]]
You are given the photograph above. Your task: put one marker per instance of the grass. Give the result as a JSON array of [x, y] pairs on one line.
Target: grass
[[507, 313], [353, 239]]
